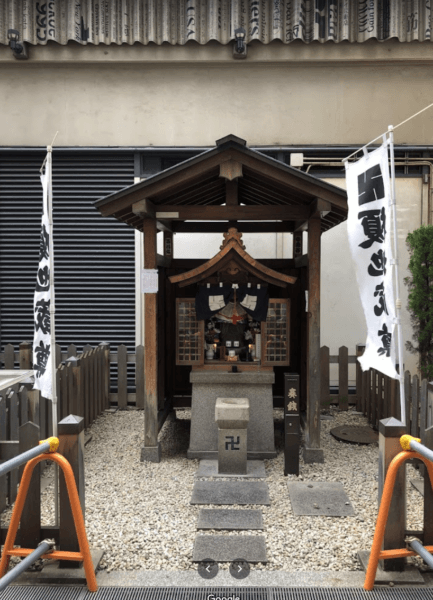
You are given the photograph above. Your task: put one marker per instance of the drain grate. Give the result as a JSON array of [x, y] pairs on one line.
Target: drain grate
[[43, 592], [27, 592]]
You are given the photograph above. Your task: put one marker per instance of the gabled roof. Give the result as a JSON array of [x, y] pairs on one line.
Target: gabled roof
[[232, 249], [190, 187]]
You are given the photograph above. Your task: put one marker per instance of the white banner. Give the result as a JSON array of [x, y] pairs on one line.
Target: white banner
[[41, 304], [369, 229]]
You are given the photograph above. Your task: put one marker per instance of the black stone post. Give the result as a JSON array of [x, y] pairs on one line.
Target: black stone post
[[291, 424], [71, 446], [390, 431]]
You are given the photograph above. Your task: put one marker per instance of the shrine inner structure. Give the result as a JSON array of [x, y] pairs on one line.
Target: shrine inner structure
[[230, 324]]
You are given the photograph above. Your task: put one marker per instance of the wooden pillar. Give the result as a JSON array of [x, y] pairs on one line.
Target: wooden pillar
[[312, 451], [151, 451]]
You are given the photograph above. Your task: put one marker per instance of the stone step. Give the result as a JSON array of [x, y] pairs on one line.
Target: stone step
[[209, 468], [226, 548], [230, 492], [223, 518]]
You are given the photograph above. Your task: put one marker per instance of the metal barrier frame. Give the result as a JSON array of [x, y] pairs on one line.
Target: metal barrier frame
[[376, 553], [84, 554]]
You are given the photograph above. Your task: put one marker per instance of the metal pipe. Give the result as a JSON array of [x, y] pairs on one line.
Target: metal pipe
[[186, 149], [421, 449], [417, 547], [42, 548], [19, 460]]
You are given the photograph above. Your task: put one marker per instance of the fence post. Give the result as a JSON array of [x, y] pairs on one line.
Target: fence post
[[9, 358], [390, 431], [139, 376], [407, 399], [324, 377], [380, 414], [72, 365], [71, 446], [428, 493], [343, 378], [26, 349], [122, 387], [415, 402], [106, 373], [359, 352], [374, 421], [30, 524]]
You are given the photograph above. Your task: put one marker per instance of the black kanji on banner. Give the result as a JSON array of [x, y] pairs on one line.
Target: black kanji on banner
[[42, 354], [386, 341], [370, 186], [373, 223], [42, 316]]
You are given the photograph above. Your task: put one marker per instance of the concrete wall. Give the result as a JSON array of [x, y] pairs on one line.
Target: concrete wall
[[140, 96]]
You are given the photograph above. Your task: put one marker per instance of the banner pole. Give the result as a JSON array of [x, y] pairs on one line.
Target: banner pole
[[53, 329], [397, 283]]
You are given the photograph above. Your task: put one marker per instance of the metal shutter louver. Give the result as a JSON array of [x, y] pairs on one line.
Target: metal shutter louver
[[94, 256]]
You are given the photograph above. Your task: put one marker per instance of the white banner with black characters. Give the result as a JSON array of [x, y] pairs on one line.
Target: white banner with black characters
[[41, 304], [369, 230]]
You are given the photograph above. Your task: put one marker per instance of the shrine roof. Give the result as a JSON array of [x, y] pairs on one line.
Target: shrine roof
[[234, 257], [196, 190]]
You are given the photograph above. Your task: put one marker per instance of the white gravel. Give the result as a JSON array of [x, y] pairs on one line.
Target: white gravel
[[140, 513]]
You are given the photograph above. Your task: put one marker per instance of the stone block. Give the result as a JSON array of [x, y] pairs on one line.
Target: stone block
[[232, 413], [209, 468], [151, 453], [319, 498], [207, 387], [233, 520], [232, 451], [230, 492], [226, 548]]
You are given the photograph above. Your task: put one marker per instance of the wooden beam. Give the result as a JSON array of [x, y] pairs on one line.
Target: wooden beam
[[223, 226], [300, 226], [302, 261], [313, 453], [232, 213], [317, 209], [150, 343], [232, 193], [320, 208], [165, 226], [231, 169], [162, 261], [144, 208]]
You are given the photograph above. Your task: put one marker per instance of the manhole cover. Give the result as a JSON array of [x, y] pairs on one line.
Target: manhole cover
[[355, 434]]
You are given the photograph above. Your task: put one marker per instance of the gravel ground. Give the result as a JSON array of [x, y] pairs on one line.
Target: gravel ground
[[140, 513]]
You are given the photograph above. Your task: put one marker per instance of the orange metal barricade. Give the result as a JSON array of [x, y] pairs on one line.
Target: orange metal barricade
[[84, 554], [376, 553]]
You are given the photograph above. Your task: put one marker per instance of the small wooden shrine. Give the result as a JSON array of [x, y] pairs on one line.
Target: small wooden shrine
[[232, 312]]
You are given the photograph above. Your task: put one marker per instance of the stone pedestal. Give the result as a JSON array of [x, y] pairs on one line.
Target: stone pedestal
[[207, 386], [232, 416]]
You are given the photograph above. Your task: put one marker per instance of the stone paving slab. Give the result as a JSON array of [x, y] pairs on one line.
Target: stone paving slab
[[209, 468], [225, 518], [226, 548], [410, 574], [230, 492], [319, 498]]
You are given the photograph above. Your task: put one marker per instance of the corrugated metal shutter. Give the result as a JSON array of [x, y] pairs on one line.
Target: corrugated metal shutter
[[94, 256]]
